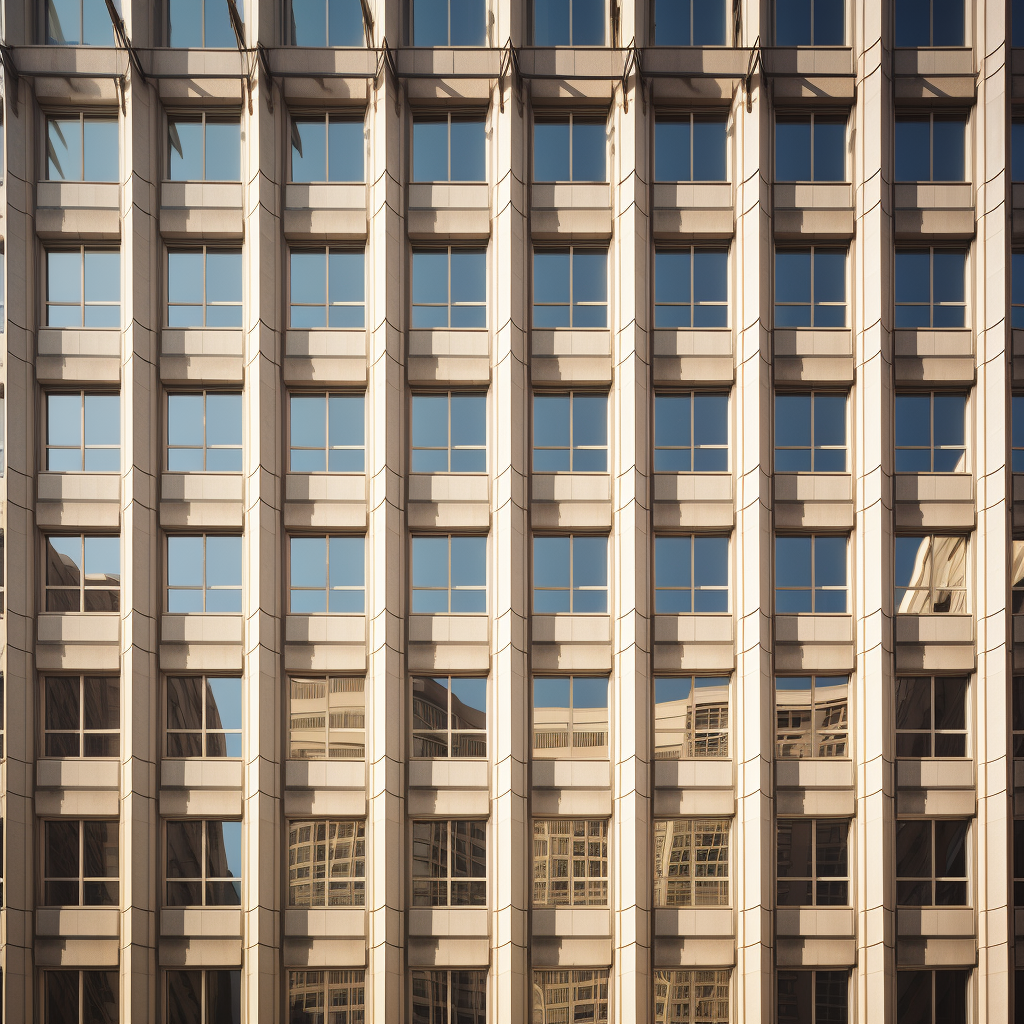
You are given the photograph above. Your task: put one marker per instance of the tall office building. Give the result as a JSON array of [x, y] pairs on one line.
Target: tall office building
[[509, 512]]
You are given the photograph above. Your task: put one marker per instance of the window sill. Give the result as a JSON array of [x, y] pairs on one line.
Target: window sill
[[572, 921], [71, 922], [467, 922], [325, 628], [834, 922], [333, 209], [201, 921], [440, 627], [324, 922], [710, 922], [937, 922]]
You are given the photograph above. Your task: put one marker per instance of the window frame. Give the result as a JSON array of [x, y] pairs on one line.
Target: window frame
[[931, 589], [967, 974], [82, 590], [786, 974], [460, 115], [110, 882], [596, 751], [186, 116], [813, 117], [57, 114], [449, 731], [694, 588], [47, 40], [448, 44], [450, 589], [476, 885], [205, 729], [532, 15], [933, 732], [327, 589], [812, 588], [329, 117], [813, 305], [709, 248], [83, 448], [713, 737], [932, 305], [818, 713], [207, 447], [813, 43], [339, 249], [816, 877], [709, 1002], [933, 880], [206, 1012], [948, 117], [206, 587], [548, 117], [204, 46], [813, 448], [206, 304], [428, 975], [203, 879], [704, 879], [932, 447], [82, 732], [327, 44], [691, 118], [592, 892], [571, 395], [693, 447], [352, 884], [570, 304], [328, 714], [587, 988], [965, 27], [422, 249], [113, 987], [570, 588], [448, 394], [84, 304], [353, 986], [328, 448]]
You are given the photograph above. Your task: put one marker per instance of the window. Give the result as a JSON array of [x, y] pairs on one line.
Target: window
[[689, 24], [449, 147], [812, 867], [449, 574], [570, 288], [449, 863], [3, 278], [204, 863], [81, 716], [931, 716], [204, 147], [570, 433], [931, 862], [810, 433], [204, 574], [3, 705], [568, 23], [449, 995], [691, 574], [327, 863], [204, 288], [930, 433], [312, 993], [83, 573], [569, 147], [204, 716], [204, 997], [83, 288], [691, 288], [931, 575], [691, 433], [78, 23], [810, 287], [200, 23], [574, 995], [449, 716], [327, 433], [327, 147], [327, 575], [812, 716], [448, 23], [1017, 441], [930, 147], [81, 997], [691, 862], [204, 432], [449, 433], [327, 288], [691, 997], [570, 574], [691, 717], [327, 718], [326, 23], [1017, 130], [1018, 861], [83, 432], [932, 997], [80, 148], [806, 23], [930, 288], [1017, 577], [929, 22], [810, 147], [449, 288], [813, 997], [810, 574], [1016, 287], [570, 717], [570, 862], [80, 863], [689, 147]]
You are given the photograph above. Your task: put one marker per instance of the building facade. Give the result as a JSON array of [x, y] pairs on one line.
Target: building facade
[[509, 512]]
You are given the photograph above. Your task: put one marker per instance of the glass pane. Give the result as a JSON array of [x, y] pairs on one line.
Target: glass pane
[[793, 149], [430, 561], [672, 138], [102, 420], [223, 150], [309, 150], [793, 561], [64, 277], [345, 148], [912, 276], [551, 143], [948, 150], [102, 702], [588, 151], [430, 149], [185, 138], [469, 276], [829, 150], [468, 23], [223, 276], [430, 22], [551, 23], [185, 277], [469, 561], [63, 149], [468, 136], [913, 149], [793, 23]]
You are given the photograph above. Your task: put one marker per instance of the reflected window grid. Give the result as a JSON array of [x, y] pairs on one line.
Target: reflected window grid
[[463, 447], [338, 300], [449, 574], [934, 305], [310, 993], [584, 449], [812, 452], [203, 24], [83, 432], [210, 442], [83, 287], [574, 995], [691, 862], [561, 304], [812, 862], [81, 716], [443, 723], [327, 718], [691, 717], [204, 716], [328, 574], [812, 717], [217, 301], [334, 23], [943, 449], [81, 864], [815, 307], [83, 573], [78, 23], [691, 431], [931, 575], [204, 147], [327, 147], [327, 432], [203, 997], [204, 584], [931, 716], [459, 304], [568, 722], [327, 863], [695, 294], [570, 862], [200, 857], [932, 862], [559, 591], [439, 997], [449, 863], [691, 997], [81, 148]]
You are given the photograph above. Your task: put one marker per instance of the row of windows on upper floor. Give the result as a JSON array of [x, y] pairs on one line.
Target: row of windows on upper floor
[[570, 574], [341, 23], [326, 432], [574, 146], [326, 287]]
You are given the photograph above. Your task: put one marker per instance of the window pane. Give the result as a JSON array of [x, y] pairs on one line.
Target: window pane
[[948, 150], [185, 137], [64, 149], [551, 151], [223, 276], [829, 150], [430, 149], [672, 138], [588, 151], [468, 140], [793, 150], [430, 22], [551, 23], [223, 151], [309, 153], [793, 22]]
